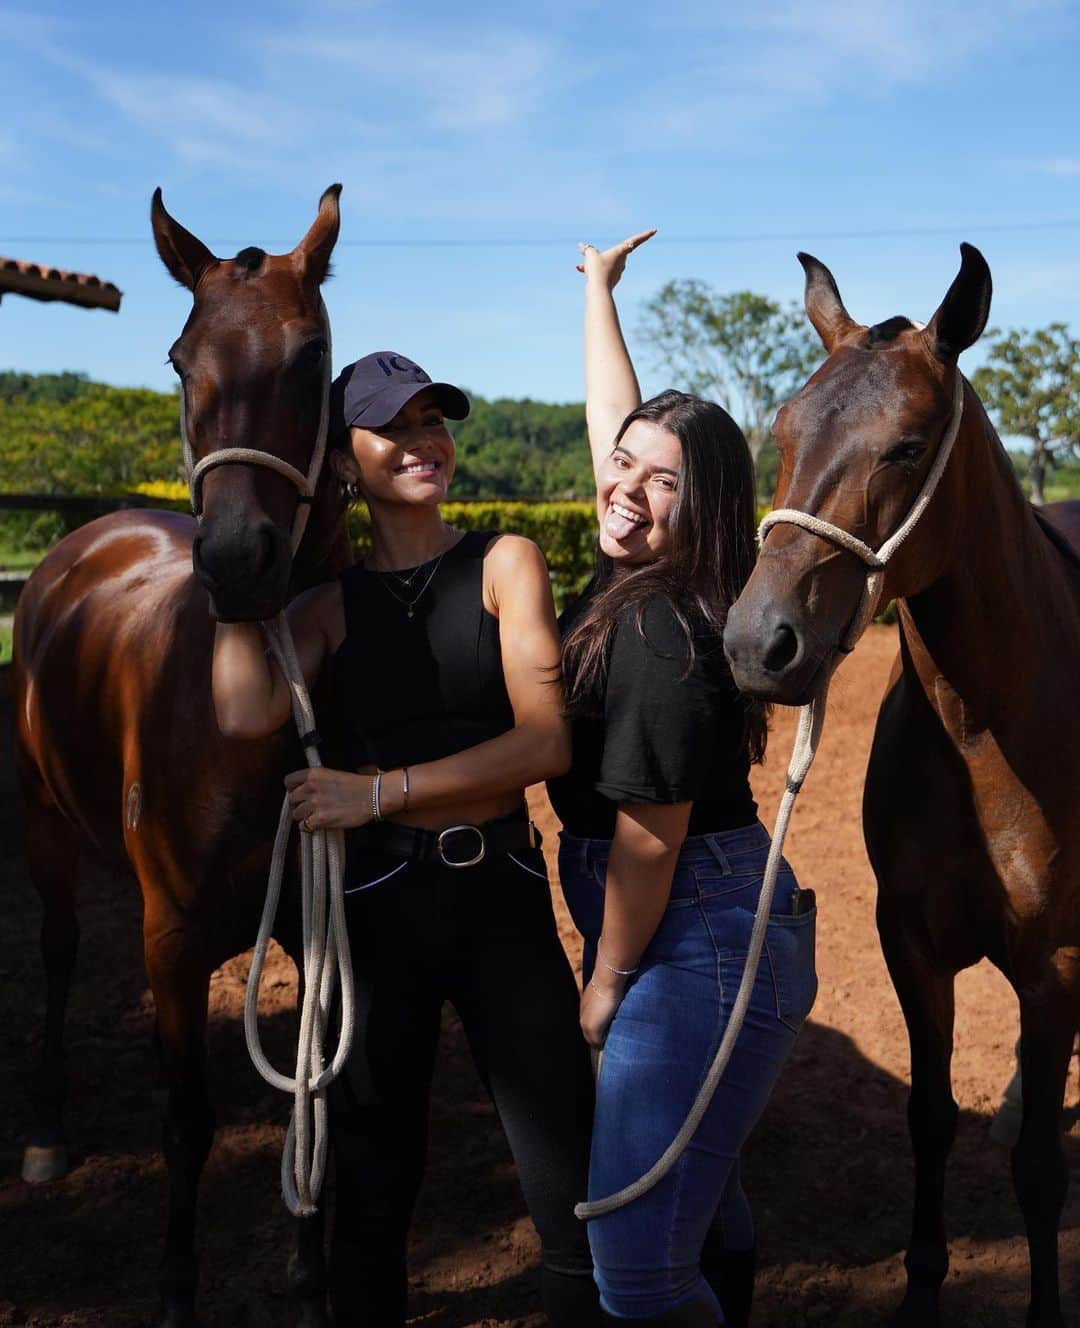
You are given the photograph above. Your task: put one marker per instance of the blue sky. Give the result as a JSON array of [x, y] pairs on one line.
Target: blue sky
[[477, 144]]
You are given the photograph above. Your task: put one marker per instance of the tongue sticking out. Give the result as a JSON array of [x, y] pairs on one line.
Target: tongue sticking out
[[620, 527]]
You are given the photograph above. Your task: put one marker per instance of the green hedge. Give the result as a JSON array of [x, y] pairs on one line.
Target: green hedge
[[565, 531]]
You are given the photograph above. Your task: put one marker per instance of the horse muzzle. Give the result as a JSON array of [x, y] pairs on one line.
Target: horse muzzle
[[245, 569], [774, 656]]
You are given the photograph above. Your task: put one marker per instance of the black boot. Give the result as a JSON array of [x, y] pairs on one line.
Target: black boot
[[694, 1314], [730, 1273]]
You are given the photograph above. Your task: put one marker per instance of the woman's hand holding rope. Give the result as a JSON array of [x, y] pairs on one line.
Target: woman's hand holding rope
[[323, 799]]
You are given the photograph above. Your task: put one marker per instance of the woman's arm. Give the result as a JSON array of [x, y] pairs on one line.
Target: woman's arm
[[644, 851], [536, 748], [251, 696], [611, 386]]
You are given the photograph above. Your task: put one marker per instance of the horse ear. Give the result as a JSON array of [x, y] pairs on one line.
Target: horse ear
[[824, 307], [315, 248], [962, 314], [186, 257]]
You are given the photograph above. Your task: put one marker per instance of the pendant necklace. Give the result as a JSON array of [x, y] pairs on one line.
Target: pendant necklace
[[410, 604]]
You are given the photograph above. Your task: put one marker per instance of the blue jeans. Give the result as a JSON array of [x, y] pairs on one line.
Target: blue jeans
[[660, 1046]]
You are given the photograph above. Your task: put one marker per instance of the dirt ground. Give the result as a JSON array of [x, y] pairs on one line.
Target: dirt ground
[[827, 1170]]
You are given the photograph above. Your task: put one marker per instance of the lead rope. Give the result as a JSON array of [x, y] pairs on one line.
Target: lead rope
[[808, 732], [325, 941]]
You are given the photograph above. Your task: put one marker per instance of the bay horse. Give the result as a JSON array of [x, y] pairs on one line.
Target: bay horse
[[117, 748], [971, 796]]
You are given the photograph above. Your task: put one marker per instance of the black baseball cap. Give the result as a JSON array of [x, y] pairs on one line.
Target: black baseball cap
[[369, 392]]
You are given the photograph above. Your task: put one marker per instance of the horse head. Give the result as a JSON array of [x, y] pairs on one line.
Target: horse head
[[253, 363], [856, 446]]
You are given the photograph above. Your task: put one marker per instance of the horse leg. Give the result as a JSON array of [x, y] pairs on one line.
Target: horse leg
[[1039, 1166], [52, 850], [181, 982], [1005, 1127], [927, 999]]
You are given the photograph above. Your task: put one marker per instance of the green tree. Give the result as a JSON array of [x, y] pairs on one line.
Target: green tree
[[1031, 384], [743, 350], [65, 435], [29, 387], [522, 449]]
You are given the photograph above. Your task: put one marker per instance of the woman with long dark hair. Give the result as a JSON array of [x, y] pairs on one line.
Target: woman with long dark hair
[[662, 855], [439, 648]]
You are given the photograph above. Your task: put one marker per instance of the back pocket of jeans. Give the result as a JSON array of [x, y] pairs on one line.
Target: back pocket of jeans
[[791, 946]]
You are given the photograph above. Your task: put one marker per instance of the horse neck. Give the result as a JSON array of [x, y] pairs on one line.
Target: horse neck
[[973, 631], [325, 551]]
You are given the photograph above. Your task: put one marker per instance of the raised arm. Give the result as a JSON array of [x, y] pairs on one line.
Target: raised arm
[[611, 386]]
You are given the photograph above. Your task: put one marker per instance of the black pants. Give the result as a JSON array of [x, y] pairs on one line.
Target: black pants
[[483, 938]]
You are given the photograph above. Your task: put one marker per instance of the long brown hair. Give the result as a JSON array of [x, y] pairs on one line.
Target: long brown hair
[[701, 574]]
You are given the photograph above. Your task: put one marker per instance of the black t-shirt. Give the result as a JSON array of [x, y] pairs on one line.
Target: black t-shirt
[[659, 733]]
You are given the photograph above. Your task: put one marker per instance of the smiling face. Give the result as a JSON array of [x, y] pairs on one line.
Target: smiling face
[[410, 460], [636, 493]]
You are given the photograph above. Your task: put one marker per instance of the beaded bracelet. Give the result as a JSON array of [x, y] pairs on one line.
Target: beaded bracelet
[[376, 809]]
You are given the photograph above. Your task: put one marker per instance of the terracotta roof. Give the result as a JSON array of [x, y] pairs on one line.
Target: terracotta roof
[[40, 282]]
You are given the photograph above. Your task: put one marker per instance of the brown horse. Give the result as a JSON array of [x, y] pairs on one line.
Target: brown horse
[[116, 742], [970, 807]]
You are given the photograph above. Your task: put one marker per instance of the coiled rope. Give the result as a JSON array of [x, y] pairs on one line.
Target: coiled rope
[[325, 940], [811, 720]]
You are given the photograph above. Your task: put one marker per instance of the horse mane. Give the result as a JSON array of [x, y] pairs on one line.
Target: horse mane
[[1056, 538], [887, 331], [249, 260]]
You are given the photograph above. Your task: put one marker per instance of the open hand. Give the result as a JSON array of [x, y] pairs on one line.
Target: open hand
[[608, 265], [324, 799]]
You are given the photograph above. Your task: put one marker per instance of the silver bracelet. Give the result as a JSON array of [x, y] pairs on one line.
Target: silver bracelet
[[405, 787], [376, 809], [619, 972]]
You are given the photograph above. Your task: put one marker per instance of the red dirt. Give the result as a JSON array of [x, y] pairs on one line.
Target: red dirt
[[828, 1169]]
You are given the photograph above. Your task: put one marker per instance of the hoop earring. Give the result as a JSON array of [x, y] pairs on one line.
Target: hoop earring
[[350, 490]]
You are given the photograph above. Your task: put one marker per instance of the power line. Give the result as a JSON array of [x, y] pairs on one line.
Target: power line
[[537, 242]]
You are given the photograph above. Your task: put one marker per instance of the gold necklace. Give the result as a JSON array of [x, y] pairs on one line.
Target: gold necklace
[[410, 604]]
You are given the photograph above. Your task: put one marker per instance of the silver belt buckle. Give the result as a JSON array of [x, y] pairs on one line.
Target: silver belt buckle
[[456, 829]]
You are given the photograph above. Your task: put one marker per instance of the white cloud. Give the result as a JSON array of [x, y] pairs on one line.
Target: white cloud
[[1067, 166], [747, 63], [487, 82]]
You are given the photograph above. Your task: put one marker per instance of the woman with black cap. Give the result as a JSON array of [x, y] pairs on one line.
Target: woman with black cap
[[440, 648]]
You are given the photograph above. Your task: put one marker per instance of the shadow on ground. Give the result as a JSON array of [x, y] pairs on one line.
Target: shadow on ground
[[828, 1170]]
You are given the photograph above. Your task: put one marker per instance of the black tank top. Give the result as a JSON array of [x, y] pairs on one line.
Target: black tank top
[[409, 690]]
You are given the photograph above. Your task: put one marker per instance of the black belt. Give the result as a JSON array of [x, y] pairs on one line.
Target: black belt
[[456, 846]]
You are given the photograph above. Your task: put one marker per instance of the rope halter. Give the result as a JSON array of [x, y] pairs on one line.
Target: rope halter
[[324, 937], [875, 561], [811, 721], [251, 456]]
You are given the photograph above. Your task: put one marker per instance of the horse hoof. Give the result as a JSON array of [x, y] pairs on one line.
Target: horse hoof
[[41, 1164]]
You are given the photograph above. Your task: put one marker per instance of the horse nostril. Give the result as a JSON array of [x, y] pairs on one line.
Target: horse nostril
[[782, 650], [201, 570], [267, 551]]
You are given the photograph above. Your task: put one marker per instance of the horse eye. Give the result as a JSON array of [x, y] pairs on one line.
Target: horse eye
[[905, 454], [311, 355]]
